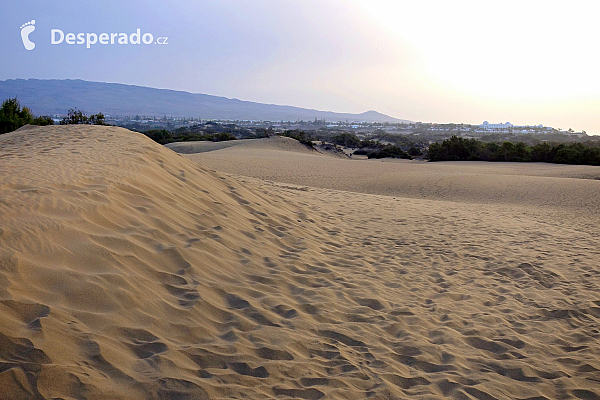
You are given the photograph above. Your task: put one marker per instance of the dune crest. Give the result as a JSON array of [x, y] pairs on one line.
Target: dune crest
[[129, 272], [277, 143]]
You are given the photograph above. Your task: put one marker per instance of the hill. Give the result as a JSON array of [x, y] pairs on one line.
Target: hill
[[49, 97]]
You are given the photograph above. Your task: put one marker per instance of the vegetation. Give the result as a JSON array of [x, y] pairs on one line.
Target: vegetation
[[415, 152], [390, 151], [459, 149], [300, 136], [403, 141], [44, 120], [75, 117], [412, 142], [12, 116], [163, 136], [347, 140], [384, 145], [209, 131], [375, 140]]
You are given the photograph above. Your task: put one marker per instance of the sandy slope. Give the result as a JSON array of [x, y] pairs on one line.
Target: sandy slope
[[571, 193], [127, 271], [273, 143]]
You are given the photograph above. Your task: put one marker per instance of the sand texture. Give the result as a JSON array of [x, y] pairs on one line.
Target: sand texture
[[128, 271]]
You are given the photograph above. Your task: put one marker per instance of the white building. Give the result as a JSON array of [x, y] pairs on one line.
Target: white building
[[501, 127]]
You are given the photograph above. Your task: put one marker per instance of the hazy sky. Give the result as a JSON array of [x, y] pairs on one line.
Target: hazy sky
[[527, 62]]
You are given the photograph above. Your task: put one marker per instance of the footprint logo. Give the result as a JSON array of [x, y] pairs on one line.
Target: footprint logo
[[26, 29]]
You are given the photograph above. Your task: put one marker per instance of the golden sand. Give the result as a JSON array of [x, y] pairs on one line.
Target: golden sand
[[130, 272]]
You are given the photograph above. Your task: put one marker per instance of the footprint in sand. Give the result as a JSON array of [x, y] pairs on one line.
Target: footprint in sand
[[26, 29]]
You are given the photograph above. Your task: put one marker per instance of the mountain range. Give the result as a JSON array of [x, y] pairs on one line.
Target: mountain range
[[51, 97]]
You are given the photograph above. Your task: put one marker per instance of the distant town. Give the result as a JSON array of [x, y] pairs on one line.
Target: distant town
[[426, 132], [144, 123]]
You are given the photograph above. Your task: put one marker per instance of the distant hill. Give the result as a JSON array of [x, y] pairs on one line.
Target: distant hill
[[49, 97]]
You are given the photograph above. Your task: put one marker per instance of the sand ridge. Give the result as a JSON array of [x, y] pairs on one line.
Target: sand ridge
[[276, 145], [279, 143], [128, 271], [570, 193]]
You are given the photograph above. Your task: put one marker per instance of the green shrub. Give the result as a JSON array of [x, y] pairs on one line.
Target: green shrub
[[300, 136], [459, 149], [75, 117], [42, 121], [390, 152], [163, 136], [12, 116], [347, 140], [414, 152], [223, 136]]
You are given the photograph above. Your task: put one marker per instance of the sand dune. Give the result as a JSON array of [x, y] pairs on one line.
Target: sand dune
[[273, 143], [130, 272], [569, 192]]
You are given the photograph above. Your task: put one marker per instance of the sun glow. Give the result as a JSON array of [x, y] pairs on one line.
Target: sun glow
[[521, 51]]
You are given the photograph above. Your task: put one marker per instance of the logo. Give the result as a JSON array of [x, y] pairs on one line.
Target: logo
[[57, 36], [26, 29], [89, 39]]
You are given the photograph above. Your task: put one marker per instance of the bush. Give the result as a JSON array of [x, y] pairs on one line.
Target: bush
[[223, 136], [369, 143], [459, 149], [414, 152], [163, 136], [261, 133], [96, 119], [347, 140], [76, 117], [390, 152], [300, 136], [42, 121], [12, 116], [542, 152]]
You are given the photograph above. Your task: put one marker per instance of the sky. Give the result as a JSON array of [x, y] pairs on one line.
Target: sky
[[526, 62]]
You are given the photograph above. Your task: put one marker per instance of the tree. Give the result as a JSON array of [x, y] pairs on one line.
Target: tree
[[522, 152], [96, 119], [470, 150], [76, 116], [508, 151], [414, 152], [161, 136], [542, 152], [42, 121], [301, 136], [347, 140], [12, 116], [391, 152]]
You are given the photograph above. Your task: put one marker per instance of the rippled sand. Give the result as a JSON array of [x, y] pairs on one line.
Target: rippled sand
[[128, 271]]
